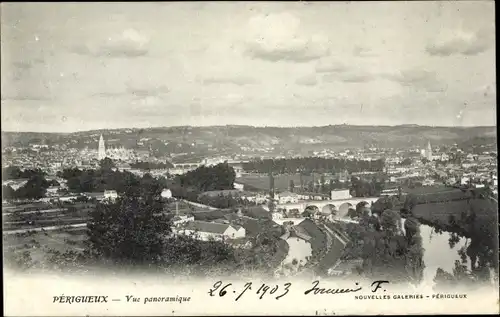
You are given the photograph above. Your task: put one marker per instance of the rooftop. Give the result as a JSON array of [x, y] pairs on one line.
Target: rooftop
[[211, 227]]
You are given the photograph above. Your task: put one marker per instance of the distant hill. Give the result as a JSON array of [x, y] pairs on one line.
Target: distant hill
[[235, 138]]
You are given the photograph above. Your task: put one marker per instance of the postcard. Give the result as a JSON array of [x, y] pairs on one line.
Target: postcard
[[249, 158]]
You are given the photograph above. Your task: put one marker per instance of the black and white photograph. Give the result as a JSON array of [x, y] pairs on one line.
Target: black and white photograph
[[249, 158]]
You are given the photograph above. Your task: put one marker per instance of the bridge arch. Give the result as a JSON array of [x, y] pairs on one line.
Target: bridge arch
[[310, 210], [344, 209], [329, 209]]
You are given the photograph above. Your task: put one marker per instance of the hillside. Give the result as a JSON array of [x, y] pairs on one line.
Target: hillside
[[240, 139]]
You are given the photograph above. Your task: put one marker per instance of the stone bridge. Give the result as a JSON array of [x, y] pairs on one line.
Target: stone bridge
[[341, 205]]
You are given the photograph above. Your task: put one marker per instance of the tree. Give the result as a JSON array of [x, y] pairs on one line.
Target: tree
[[411, 227], [106, 164], [8, 192], [390, 220], [322, 182], [35, 188], [292, 186], [310, 186], [128, 231], [406, 162]]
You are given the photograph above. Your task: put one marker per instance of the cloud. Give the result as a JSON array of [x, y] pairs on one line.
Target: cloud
[[307, 81], [25, 97], [330, 67], [361, 51], [353, 75], [236, 80], [142, 92], [137, 92], [463, 43], [130, 44], [28, 64], [278, 37], [417, 78]]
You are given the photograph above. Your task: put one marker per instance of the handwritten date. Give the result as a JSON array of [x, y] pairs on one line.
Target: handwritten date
[[221, 290]]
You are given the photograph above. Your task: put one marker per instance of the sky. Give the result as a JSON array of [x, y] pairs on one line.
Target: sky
[[82, 66]]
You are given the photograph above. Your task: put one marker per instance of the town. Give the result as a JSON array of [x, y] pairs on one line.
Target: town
[[306, 206]]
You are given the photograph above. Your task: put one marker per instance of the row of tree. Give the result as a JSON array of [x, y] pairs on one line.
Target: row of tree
[[15, 172], [34, 188], [224, 201], [80, 181], [387, 250], [312, 164], [366, 188], [151, 165], [208, 178]]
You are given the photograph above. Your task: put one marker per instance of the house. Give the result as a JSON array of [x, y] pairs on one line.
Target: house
[[253, 197], [182, 218], [166, 193], [296, 232], [238, 186], [464, 180], [96, 196], [428, 182], [390, 192], [215, 193], [68, 198], [277, 215], [312, 196], [210, 230], [15, 184], [343, 268], [52, 190], [340, 194], [287, 220], [110, 194], [287, 198], [258, 212]]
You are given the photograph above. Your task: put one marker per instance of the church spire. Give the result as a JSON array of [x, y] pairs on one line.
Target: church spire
[[101, 154]]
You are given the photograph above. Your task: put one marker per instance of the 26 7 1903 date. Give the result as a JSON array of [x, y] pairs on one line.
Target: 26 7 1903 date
[[221, 290]]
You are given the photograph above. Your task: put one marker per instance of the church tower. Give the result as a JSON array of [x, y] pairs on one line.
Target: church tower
[[271, 184], [428, 152], [102, 149]]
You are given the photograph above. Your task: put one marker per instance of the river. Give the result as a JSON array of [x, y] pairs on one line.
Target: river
[[298, 250], [437, 252]]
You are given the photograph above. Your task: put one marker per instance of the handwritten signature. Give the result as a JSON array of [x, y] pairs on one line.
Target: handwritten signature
[[221, 289]]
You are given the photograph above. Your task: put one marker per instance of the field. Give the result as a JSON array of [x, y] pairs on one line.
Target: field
[[485, 210], [281, 182], [20, 223], [38, 243]]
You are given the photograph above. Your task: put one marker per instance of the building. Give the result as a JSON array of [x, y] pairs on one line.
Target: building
[[238, 186], [182, 218], [205, 231], [254, 197], [110, 194], [312, 196], [390, 192], [348, 267], [52, 190], [15, 184], [101, 153], [340, 194], [96, 196], [428, 182], [287, 198], [428, 152]]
